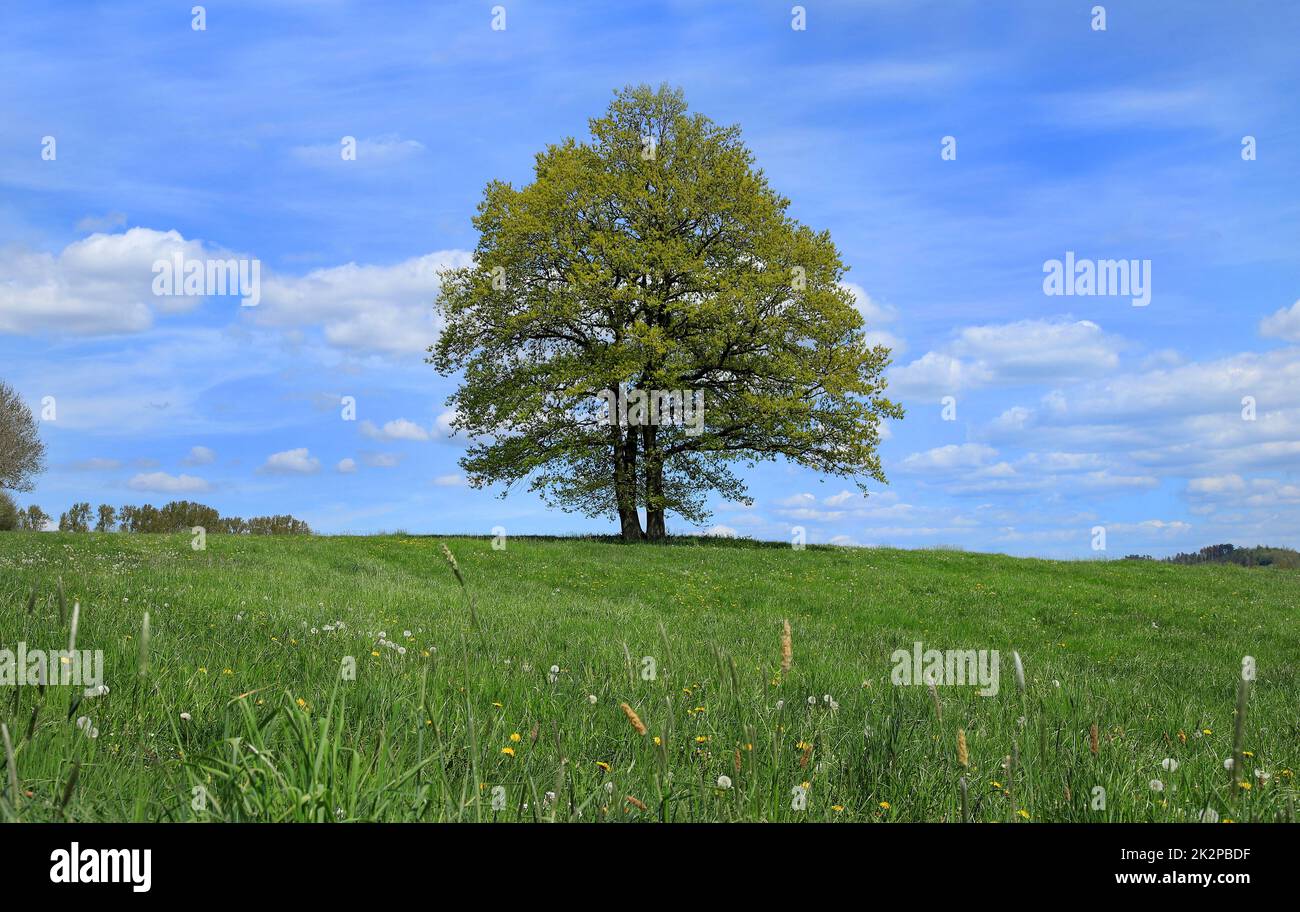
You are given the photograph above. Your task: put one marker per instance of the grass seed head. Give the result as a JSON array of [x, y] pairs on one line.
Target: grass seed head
[[963, 756], [633, 718], [787, 648], [451, 562], [144, 645]]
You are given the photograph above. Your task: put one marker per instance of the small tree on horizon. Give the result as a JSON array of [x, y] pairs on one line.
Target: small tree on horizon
[[76, 519], [107, 517], [33, 519], [654, 259], [11, 518], [22, 454]]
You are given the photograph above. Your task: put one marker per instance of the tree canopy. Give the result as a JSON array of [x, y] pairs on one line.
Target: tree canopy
[[653, 265], [22, 454]]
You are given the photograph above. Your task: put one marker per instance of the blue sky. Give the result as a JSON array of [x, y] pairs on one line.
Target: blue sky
[[1071, 412]]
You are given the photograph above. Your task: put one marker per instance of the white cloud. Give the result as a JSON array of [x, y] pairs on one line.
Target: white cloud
[[200, 455], [875, 314], [450, 481], [798, 500], [377, 151], [1284, 324], [102, 284], [807, 514], [952, 456], [99, 285], [1009, 354], [163, 483], [291, 462], [382, 309], [720, 532], [397, 429], [347, 466], [935, 374], [1217, 484], [442, 425], [381, 460]]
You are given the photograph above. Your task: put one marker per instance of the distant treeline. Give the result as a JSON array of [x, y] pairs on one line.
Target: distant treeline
[[1230, 554], [177, 516]]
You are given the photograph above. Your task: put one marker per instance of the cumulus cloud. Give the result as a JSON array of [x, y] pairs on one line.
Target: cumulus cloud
[[346, 466], [874, 315], [397, 429], [450, 481], [99, 285], [798, 500], [103, 284], [380, 309], [1284, 324], [200, 455], [1010, 354], [163, 483], [1217, 484], [952, 456], [291, 462]]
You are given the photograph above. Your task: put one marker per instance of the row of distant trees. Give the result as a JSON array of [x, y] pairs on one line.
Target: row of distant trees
[[177, 516], [1262, 556], [22, 457]]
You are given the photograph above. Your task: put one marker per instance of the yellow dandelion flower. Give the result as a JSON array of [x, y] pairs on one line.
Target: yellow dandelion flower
[[884, 805], [603, 765], [837, 808], [701, 739], [375, 653], [658, 741], [515, 737], [1023, 813], [508, 751]]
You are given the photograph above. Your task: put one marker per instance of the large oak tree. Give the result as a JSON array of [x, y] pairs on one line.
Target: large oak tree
[[657, 256]]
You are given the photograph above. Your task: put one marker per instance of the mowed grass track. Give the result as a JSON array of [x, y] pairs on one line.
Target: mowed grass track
[[1149, 653]]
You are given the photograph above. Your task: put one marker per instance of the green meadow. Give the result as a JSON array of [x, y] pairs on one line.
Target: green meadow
[[353, 679]]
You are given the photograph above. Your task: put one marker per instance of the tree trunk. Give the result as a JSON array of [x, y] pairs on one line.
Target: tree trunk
[[625, 484], [655, 528]]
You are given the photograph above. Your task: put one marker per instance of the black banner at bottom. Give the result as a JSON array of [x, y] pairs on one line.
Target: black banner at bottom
[[136, 861]]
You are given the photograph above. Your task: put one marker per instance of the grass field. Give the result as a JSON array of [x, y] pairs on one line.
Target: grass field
[[240, 710]]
